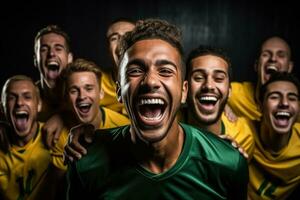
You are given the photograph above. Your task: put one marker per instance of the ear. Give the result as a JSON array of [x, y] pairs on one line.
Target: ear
[[35, 61], [118, 91], [101, 94], [291, 65], [40, 105], [184, 91], [70, 57], [229, 92]]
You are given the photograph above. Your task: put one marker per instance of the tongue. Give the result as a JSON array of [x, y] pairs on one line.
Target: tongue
[[85, 110], [282, 122], [150, 111], [21, 124], [53, 74]]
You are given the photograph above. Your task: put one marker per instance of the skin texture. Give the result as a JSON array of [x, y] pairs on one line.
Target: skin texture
[[84, 94], [150, 71], [208, 91], [51, 50], [22, 99], [280, 109], [114, 34], [275, 55]]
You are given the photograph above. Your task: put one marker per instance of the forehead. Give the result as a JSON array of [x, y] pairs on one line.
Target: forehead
[[283, 87], [80, 78], [52, 37], [21, 86], [276, 44], [209, 63], [120, 28], [153, 49]]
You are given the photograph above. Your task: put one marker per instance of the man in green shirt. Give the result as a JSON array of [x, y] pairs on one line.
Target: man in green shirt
[[156, 157]]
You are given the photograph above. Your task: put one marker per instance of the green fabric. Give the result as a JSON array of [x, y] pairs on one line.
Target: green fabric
[[208, 168]]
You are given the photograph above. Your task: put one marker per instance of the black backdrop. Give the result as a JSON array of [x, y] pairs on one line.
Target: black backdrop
[[238, 26]]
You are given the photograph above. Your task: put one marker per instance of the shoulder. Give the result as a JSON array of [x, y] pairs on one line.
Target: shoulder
[[215, 150], [113, 119]]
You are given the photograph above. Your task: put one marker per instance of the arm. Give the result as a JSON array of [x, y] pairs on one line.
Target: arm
[[51, 130], [78, 135]]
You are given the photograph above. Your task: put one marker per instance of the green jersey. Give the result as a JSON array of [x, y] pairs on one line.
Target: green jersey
[[207, 168]]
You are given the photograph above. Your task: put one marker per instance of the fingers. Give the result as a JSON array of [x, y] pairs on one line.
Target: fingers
[[235, 144], [89, 130]]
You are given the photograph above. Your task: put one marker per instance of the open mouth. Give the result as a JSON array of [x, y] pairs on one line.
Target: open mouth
[[208, 100], [21, 119], [84, 107], [270, 69], [53, 70], [151, 110], [282, 118]]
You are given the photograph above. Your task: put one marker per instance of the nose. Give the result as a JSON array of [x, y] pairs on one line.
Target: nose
[[151, 80], [209, 83], [81, 94], [51, 52], [20, 101], [273, 57], [284, 102]]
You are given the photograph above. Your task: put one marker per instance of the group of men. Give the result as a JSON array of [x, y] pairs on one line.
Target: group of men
[[139, 148]]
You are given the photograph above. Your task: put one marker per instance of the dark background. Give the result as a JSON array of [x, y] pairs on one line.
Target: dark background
[[238, 26]]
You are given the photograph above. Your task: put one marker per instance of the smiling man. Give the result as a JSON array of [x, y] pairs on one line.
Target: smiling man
[[275, 167], [156, 157], [51, 55], [25, 167], [208, 75], [274, 56]]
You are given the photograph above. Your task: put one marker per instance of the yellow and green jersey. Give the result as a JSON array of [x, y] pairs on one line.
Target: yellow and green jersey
[[23, 169], [275, 176]]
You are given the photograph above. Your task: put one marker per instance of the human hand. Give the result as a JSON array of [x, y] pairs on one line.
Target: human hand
[[235, 144], [230, 114], [52, 130], [74, 149]]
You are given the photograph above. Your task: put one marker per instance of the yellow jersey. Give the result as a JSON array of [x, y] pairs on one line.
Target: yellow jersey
[[242, 132], [110, 99], [275, 176], [23, 169]]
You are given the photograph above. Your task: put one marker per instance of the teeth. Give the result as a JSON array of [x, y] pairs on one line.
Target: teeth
[[21, 113], [283, 114], [151, 101], [208, 98], [83, 105], [272, 67], [52, 63]]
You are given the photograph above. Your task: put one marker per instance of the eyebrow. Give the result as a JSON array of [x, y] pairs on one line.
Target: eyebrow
[[279, 93], [112, 34], [165, 62], [215, 71]]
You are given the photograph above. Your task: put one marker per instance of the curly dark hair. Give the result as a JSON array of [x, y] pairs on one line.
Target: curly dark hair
[[153, 29], [204, 50]]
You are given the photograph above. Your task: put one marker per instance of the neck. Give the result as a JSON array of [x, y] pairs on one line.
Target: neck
[[160, 156], [22, 141], [215, 128], [272, 141], [98, 120]]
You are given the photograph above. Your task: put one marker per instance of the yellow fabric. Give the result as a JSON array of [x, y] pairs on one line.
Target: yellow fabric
[[242, 131], [242, 100], [23, 169], [110, 99], [275, 176], [110, 119]]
